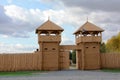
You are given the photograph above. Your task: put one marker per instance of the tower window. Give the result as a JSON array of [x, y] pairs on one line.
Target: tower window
[[94, 47], [86, 47], [53, 49], [46, 49]]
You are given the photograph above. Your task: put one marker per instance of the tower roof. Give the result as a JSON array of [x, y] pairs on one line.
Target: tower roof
[[88, 27], [49, 25]]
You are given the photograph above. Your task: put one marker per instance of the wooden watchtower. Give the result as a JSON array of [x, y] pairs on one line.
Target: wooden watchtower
[[88, 37], [49, 38]]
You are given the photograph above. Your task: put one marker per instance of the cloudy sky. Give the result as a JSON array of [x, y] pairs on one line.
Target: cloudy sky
[[20, 18]]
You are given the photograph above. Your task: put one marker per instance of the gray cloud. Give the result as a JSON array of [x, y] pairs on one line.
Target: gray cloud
[[3, 17], [14, 28], [102, 5], [99, 12]]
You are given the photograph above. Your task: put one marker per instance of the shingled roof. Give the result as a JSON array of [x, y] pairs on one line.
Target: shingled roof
[[49, 25], [88, 27]]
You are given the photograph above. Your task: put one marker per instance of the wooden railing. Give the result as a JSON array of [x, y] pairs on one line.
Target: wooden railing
[[49, 38], [88, 39]]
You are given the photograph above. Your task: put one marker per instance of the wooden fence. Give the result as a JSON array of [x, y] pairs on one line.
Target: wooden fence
[[110, 60], [19, 62], [33, 61]]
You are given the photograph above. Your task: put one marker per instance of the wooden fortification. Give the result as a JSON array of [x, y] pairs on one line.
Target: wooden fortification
[[53, 56], [89, 37], [49, 38]]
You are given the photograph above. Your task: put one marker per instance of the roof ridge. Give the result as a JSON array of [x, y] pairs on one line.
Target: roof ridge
[[49, 25], [88, 26]]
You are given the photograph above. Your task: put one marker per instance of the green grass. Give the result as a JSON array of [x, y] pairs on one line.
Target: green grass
[[19, 73], [111, 70]]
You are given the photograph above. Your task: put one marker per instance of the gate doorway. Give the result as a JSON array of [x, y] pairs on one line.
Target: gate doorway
[[72, 58], [71, 50]]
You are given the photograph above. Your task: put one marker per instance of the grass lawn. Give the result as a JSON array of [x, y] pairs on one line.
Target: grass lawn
[[19, 73], [111, 70]]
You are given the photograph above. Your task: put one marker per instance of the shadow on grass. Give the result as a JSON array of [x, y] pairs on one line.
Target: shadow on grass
[[20, 73], [111, 70]]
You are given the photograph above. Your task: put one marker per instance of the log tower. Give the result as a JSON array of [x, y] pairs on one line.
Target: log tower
[[88, 37], [49, 38]]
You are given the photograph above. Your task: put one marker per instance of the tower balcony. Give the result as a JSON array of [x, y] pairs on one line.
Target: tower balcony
[[88, 39], [51, 38]]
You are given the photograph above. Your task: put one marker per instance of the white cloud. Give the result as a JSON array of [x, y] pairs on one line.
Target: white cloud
[[21, 21], [24, 21], [16, 12], [16, 48], [66, 40], [4, 36], [102, 19]]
